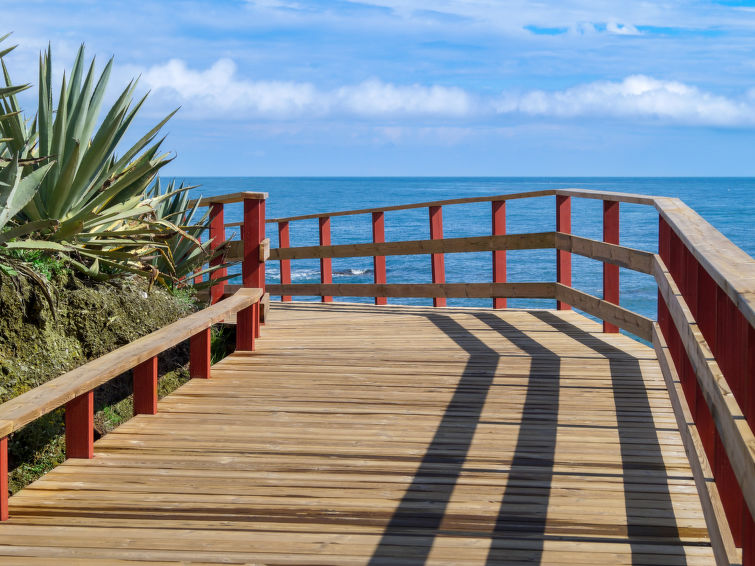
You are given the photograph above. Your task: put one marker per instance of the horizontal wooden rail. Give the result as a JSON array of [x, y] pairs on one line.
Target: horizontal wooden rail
[[229, 198], [636, 260], [607, 195], [420, 290], [602, 195], [543, 240], [622, 256], [467, 200], [735, 434], [621, 317], [49, 396], [729, 266]]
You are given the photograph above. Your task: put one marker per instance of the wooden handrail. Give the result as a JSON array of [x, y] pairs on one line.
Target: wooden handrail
[[229, 198], [730, 267], [736, 435], [53, 394], [622, 256]]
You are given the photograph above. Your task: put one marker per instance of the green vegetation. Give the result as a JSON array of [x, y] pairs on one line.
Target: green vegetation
[[67, 192]]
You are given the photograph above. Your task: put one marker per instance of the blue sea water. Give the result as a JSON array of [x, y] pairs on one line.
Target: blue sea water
[[727, 203]]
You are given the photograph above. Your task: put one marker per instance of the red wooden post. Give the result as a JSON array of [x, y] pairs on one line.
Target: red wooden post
[[563, 258], [499, 256], [199, 355], [145, 387], [252, 234], [4, 479], [378, 262], [245, 330], [326, 263], [610, 272], [437, 260], [80, 426], [285, 264], [217, 235]]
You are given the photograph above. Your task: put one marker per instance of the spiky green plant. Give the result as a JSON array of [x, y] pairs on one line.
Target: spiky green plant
[[97, 198], [185, 254]]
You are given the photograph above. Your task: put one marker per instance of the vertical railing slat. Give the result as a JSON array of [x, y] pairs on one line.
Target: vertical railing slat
[[437, 260], [252, 234], [285, 264], [610, 272], [326, 263], [145, 387], [217, 236], [378, 262], [199, 355], [563, 258], [80, 426], [499, 256]]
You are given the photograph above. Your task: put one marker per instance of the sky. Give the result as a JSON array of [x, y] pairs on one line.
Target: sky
[[409, 87]]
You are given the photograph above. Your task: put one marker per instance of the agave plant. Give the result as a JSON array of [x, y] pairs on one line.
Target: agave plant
[[97, 198], [16, 191], [185, 255]]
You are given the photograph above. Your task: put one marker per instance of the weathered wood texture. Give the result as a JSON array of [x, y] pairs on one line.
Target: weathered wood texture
[[388, 435], [729, 266], [736, 436], [229, 198], [541, 240], [420, 290]]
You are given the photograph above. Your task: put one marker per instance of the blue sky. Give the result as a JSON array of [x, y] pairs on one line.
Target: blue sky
[[408, 87]]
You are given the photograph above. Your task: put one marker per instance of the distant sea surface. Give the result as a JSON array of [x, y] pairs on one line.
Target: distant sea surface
[[727, 203]]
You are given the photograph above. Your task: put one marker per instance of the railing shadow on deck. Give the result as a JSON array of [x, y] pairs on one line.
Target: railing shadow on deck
[[634, 418], [455, 432]]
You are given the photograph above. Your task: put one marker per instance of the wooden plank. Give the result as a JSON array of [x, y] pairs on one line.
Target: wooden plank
[[629, 258], [734, 431], [228, 199], [608, 195], [393, 434], [49, 396], [420, 290], [466, 200], [582, 193], [729, 266], [724, 549], [542, 240], [621, 317]]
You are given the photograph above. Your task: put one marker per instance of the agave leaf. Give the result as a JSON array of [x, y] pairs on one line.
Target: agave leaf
[[57, 198], [37, 245], [145, 140], [26, 229], [45, 103], [74, 84], [11, 90]]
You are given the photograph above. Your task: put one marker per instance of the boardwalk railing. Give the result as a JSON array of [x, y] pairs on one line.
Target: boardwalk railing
[[75, 389], [704, 336]]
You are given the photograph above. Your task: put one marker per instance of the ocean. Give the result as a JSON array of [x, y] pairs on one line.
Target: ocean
[[727, 203]]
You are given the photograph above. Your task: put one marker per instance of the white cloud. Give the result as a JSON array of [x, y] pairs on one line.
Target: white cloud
[[622, 29], [218, 91], [374, 97], [637, 96]]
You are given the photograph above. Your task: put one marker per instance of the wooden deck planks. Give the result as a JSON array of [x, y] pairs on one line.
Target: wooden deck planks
[[388, 435]]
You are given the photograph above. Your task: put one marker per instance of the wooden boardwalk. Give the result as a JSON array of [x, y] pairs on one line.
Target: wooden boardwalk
[[387, 435]]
